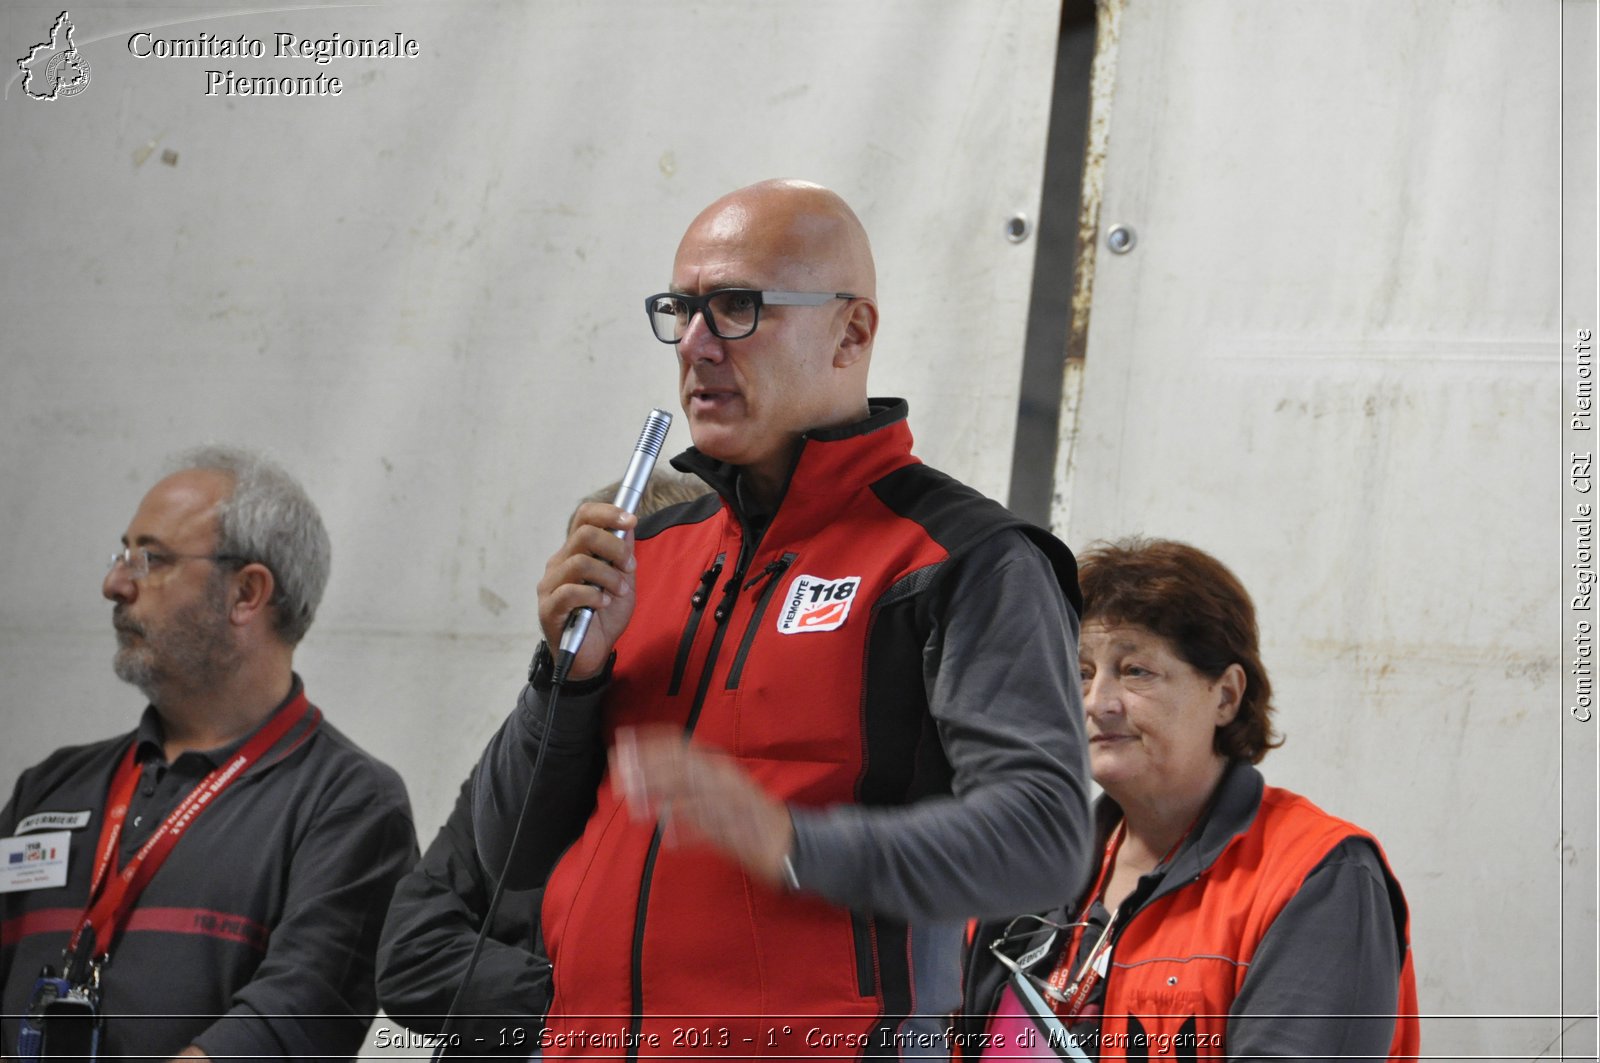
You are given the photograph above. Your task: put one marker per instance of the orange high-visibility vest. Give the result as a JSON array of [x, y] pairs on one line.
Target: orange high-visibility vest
[[1180, 961]]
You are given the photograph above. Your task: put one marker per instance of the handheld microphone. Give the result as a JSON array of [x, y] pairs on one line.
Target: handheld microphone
[[643, 462]]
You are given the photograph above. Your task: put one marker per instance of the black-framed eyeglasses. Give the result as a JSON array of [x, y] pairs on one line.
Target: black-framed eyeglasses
[[730, 313], [140, 561]]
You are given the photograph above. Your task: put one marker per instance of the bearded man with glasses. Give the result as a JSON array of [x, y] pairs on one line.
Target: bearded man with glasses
[[214, 883], [839, 696]]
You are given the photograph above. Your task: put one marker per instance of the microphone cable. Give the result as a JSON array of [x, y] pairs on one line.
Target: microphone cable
[[630, 492], [558, 679]]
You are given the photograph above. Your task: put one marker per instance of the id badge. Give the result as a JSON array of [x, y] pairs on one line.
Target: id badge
[[34, 861]]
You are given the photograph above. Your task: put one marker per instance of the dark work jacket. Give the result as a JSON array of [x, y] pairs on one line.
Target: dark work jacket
[[429, 935], [256, 936]]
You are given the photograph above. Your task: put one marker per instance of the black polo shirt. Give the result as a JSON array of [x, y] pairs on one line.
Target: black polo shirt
[[256, 937]]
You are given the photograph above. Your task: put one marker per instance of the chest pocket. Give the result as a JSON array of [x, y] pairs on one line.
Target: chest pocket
[[792, 694], [1189, 986]]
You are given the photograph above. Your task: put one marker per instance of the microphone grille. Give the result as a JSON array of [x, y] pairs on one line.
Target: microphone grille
[[654, 433]]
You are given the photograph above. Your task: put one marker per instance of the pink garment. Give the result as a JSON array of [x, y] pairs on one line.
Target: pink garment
[[1024, 1028]]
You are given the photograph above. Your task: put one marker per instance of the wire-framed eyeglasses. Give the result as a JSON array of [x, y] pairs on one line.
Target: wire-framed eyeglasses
[[1038, 935], [141, 561], [730, 313]]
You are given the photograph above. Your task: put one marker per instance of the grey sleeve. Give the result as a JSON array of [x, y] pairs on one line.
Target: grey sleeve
[[1325, 979], [8, 825], [567, 782], [8, 815], [1000, 670], [313, 995], [431, 931]]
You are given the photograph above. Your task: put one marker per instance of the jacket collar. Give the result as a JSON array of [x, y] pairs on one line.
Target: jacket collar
[[1232, 810], [1230, 813], [151, 736], [830, 466]]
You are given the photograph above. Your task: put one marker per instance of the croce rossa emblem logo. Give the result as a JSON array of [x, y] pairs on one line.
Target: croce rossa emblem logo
[[55, 69]]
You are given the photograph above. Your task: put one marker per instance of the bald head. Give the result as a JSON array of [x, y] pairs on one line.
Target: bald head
[[808, 232], [749, 400]]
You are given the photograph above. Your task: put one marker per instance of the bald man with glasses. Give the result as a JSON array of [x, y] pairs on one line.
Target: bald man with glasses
[[821, 718]]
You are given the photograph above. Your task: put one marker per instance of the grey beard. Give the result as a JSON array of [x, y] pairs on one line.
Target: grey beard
[[190, 651], [136, 670]]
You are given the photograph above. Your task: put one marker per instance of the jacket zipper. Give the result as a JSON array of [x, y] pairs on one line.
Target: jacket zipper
[[697, 606], [772, 574], [636, 961], [730, 591], [719, 616], [866, 963]]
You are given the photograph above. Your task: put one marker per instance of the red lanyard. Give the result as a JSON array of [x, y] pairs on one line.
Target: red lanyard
[[1069, 1004], [111, 897], [1072, 997]]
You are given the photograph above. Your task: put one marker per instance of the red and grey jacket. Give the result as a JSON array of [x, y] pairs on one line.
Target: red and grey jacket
[[892, 655], [1279, 930]]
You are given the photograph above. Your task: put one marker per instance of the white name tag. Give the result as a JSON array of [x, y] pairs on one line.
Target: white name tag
[[54, 821], [34, 862]]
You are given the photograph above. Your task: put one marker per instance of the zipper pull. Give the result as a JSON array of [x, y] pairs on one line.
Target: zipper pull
[[698, 599], [772, 569], [730, 590]]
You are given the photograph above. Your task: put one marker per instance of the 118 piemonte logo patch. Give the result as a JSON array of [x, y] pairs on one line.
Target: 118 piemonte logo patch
[[816, 604]]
